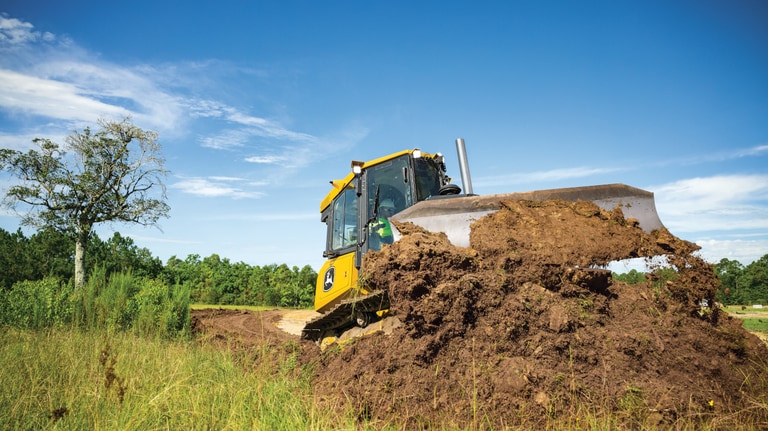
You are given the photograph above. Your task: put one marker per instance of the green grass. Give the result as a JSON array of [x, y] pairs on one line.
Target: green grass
[[736, 309], [72, 380], [65, 379], [753, 324], [756, 325]]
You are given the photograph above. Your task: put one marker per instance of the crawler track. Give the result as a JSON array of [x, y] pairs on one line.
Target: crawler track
[[343, 314]]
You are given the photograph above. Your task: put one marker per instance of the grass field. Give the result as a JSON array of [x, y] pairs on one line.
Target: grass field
[[65, 379], [755, 319], [73, 380]]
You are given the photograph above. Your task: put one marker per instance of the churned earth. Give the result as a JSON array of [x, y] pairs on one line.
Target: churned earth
[[523, 326]]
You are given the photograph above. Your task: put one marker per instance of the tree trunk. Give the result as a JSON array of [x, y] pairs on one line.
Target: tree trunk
[[80, 244]]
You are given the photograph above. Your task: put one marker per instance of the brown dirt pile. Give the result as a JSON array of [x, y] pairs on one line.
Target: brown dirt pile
[[515, 329]]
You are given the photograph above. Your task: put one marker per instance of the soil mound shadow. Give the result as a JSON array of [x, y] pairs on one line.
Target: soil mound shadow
[[520, 327]]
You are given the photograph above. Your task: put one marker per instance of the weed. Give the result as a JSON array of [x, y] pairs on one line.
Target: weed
[[111, 379]]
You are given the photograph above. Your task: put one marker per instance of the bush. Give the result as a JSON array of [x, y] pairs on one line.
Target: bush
[[121, 302], [36, 304], [161, 310]]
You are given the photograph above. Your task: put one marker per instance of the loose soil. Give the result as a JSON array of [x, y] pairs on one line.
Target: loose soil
[[519, 328]]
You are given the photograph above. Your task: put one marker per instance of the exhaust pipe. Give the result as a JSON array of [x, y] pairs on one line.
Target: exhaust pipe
[[466, 180]]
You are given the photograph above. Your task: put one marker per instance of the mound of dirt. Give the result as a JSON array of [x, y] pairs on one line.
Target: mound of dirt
[[520, 327]]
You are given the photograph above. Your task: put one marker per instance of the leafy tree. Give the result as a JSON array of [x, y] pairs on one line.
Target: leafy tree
[[14, 258], [754, 281], [109, 177], [52, 254], [120, 254], [632, 277], [743, 285], [729, 271]]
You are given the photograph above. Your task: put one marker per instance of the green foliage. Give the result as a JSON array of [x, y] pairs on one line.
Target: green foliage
[[210, 280], [216, 280], [36, 304], [126, 302], [49, 253], [120, 254], [657, 277], [122, 302], [743, 285], [632, 277]]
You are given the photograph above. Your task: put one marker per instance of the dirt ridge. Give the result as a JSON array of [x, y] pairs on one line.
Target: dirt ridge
[[515, 328]]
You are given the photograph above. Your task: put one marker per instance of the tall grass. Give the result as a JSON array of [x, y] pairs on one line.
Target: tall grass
[[121, 302], [68, 379]]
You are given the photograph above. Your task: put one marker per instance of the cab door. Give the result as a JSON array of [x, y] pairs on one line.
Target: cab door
[[338, 275]]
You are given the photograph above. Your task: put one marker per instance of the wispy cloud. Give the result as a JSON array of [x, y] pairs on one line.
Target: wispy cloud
[[745, 251], [226, 140], [717, 203], [72, 86], [541, 176], [214, 187], [721, 156], [14, 32], [48, 98], [265, 160], [754, 151]]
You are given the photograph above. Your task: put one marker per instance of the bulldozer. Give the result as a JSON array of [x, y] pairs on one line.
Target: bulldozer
[[413, 186]]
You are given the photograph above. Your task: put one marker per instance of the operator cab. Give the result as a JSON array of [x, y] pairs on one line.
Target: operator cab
[[355, 222], [399, 180]]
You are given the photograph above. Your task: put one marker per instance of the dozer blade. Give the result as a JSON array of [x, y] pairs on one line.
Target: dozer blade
[[342, 314], [454, 215]]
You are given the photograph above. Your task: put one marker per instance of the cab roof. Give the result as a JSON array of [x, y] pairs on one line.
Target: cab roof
[[340, 185]]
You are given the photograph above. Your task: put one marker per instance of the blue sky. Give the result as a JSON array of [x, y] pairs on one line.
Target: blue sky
[[260, 104]]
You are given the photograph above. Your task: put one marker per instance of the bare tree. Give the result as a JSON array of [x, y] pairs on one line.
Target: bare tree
[[111, 175]]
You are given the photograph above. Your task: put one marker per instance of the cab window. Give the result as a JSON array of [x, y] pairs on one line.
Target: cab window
[[344, 229], [427, 178], [388, 178]]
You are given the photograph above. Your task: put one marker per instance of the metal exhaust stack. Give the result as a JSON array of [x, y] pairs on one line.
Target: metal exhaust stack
[[466, 180]]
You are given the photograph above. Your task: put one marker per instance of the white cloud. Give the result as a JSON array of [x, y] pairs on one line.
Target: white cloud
[[70, 88], [542, 176], [48, 98], [226, 140], [265, 160], [126, 90], [22, 141], [754, 151], [219, 178], [719, 203], [211, 187], [720, 156], [14, 32], [745, 251]]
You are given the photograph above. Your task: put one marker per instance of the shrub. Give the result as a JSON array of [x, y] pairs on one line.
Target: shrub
[[120, 302], [36, 304]]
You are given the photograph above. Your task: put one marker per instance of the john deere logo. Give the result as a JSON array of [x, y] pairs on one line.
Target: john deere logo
[[328, 283]]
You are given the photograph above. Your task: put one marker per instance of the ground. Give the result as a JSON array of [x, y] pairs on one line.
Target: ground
[[523, 326]]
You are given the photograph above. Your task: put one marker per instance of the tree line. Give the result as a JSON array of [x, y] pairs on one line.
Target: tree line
[[743, 285], [49, 253]]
